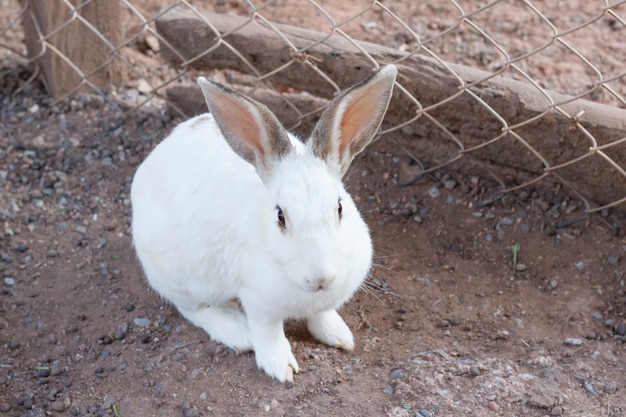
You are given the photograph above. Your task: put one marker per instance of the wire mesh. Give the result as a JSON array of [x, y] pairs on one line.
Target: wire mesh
[[561, 119]]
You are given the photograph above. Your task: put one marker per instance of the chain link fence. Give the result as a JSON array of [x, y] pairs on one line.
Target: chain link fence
[[527, 93]]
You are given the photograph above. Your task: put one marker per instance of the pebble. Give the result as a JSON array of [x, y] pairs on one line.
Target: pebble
[[572, 341], [424, 413], [5, 407], [474, 370], [524, 228], [57, 406], [556, 411], [396, 374], [620, 329], [520, 267], [434, 191], [22, 247], [597, 315], [611, 387], [589, 388], [370, 25], [612, 260], [449, 184], [554, 283], [9, 281], [142, 322], [493, 406], [388, 390]]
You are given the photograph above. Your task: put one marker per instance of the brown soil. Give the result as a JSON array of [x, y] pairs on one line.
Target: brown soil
[[446, 325]]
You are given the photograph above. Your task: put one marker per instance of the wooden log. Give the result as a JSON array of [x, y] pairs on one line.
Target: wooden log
[[296, 110], [69, 54], [546, 142]]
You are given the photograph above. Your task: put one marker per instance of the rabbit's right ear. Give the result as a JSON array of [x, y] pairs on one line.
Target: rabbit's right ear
[[352, 119], [249, 127]]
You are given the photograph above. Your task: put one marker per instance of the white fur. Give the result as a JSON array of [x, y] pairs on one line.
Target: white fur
[[206, 232]]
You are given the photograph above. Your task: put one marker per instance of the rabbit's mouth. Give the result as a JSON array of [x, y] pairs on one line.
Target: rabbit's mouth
[[319, 284]]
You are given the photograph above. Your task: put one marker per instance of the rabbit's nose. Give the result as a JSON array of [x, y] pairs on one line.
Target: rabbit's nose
[[321, 283]]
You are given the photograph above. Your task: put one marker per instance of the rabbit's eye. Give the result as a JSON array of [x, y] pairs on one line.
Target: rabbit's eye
[[281, 217], [340, 209]]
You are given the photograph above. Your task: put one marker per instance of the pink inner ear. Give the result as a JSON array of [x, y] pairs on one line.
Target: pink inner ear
[[239, 123], [357, 114]]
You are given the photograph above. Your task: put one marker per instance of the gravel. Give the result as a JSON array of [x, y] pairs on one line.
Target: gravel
[[572, 341]]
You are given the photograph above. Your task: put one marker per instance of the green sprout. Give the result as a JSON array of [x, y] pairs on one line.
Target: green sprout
[[516, 248]]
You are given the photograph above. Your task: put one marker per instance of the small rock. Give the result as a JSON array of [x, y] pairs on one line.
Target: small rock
[[611, 387], [9, 281], [153, 43], [5, 407], [554, 283], [524, 228], [520, 267], [312, 368], [81, 229], [474, 370], [612, 260], [572, 341], [396, 374], [143, 86], [434, 191], [424, 413], [589, 388], [142, 322], [620, 329], [493, 406], [597, 315], [556, 411], [129, 307], [22, 247], [370, 25], [388, 390], [57, 406], [449, 184]]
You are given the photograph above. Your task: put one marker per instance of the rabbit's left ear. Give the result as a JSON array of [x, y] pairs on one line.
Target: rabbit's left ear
[[352, 119], [249, 127]]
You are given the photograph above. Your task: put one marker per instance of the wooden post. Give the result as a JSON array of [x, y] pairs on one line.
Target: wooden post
[[70, 53]]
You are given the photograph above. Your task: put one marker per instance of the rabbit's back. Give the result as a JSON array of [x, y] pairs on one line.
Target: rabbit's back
[[192, 213]]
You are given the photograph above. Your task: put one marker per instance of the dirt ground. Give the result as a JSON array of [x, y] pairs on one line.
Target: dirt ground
[[448, 324]]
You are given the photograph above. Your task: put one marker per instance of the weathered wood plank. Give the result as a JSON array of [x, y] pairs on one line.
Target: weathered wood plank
[[551, 136]]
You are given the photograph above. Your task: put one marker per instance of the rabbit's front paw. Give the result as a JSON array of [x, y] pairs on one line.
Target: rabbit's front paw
[[277, 360], [329, 327]]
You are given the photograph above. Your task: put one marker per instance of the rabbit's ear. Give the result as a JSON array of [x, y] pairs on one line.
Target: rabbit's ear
[[352, 119], [249, 127]]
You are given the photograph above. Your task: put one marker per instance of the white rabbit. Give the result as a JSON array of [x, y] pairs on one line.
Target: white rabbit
[[231, 207]]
